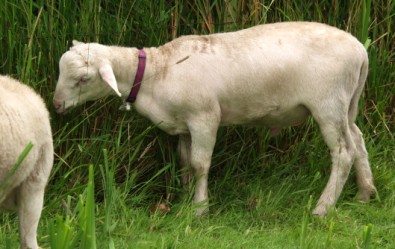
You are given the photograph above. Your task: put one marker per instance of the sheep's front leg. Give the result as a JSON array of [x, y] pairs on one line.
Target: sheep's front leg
[[203, 136], [184, 154], [30, 204]]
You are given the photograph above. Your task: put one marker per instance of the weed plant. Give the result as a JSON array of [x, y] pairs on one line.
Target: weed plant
[[113, 168]]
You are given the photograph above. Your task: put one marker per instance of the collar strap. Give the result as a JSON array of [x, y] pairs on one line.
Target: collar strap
[[139, 77]]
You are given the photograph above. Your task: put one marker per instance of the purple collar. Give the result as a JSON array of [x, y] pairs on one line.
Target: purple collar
[[139, 77]]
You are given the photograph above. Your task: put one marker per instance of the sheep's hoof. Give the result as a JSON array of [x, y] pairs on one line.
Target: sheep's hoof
[[320, 211], [364, 196], [201, 209]]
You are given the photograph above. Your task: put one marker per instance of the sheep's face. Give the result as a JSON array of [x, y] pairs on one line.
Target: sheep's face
[[85, 75]]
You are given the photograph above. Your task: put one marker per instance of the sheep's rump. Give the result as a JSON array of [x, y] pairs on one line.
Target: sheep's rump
[[24, 119]]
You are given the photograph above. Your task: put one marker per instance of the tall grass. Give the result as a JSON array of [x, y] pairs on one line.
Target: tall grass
[[64, 235], [134, 164]]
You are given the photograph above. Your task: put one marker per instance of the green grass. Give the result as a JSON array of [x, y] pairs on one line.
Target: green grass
[[111, 167]]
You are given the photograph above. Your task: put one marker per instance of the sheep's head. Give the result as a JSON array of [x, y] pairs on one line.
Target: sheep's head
[[85, 74]]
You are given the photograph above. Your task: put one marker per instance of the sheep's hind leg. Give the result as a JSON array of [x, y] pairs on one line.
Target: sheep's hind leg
[[339, 139], [31, 197], [362, 168], [30, 204]]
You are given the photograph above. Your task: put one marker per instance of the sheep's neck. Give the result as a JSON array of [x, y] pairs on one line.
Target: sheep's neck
[[139, 76], [125, 63]]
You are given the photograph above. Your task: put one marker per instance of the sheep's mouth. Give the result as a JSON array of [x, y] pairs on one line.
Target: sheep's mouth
[[63, 109]]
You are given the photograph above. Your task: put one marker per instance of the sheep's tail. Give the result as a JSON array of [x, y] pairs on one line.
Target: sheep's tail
[[353, 109]]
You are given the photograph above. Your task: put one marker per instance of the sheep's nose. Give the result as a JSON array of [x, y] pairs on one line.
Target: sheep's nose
[[58, 105]]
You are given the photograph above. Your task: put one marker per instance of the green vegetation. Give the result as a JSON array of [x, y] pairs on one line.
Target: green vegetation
[[111, 167]]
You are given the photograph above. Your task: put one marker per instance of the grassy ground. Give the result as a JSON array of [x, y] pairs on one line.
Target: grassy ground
[[111, 167]]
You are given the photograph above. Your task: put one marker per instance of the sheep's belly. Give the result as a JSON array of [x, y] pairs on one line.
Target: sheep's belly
[[273, 117]]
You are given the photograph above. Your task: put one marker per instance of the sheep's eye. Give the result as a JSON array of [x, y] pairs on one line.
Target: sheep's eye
[[83, 80]]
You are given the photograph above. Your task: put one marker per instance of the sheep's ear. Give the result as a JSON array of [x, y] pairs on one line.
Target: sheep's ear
[[75, 43], [108, 76]]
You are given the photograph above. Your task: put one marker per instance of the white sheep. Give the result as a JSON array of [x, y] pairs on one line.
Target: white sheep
[[274, 75], [24, 120]]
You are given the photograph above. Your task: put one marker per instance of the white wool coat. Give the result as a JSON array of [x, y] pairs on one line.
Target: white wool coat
[[274, 75]]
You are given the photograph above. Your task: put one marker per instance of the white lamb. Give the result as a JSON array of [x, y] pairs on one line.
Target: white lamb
[[24, 119], [273, 75]]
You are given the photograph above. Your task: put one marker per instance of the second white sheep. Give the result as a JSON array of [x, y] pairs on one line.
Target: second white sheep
[[273, 75]]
